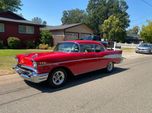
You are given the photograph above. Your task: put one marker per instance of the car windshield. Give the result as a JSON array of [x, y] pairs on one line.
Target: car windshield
[[67, 47], [145, 45]]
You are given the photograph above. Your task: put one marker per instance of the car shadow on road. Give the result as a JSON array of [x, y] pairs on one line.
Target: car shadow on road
[[75, 81]]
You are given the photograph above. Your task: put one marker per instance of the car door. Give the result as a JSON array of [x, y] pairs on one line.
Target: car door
[[100, 52], [87, 59]]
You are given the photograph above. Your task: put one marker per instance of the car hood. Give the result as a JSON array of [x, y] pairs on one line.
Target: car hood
[[36, 55], [27, 59]]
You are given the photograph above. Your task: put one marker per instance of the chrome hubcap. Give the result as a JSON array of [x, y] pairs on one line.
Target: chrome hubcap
[[110, 66], [58, 77]]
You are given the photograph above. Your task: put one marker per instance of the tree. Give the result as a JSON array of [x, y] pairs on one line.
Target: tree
[[146, 32], [134, 30], [44, 23], [46, 37], [10, 5], [74, 16], [38, 20], [113, 29], [100, 10]]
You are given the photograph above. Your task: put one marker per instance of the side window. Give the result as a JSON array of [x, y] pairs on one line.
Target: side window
[[75, 48], [87, 48], [99, 48]]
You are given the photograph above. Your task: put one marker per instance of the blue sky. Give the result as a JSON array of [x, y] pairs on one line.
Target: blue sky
[[51, 10]]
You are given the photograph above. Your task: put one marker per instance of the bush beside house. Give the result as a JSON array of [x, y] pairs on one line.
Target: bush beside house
[[46, 40], [14, 43], [46, 37], [1, 44], [43, 46], [30, 44]]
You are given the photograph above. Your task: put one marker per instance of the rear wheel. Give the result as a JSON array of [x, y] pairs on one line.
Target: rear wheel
[[110, 67], [57, 78]]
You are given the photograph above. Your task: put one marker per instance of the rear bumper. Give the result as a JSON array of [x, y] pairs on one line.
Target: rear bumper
[[30, 75]]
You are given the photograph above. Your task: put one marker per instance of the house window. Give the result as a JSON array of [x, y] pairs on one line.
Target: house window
[[1, 27], [26, 29]]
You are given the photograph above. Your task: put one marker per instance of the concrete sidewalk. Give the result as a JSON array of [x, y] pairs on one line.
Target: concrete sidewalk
[[133, 55]]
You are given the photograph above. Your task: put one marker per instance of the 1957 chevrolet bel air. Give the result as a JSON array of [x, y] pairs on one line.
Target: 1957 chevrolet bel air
[[68, 58]]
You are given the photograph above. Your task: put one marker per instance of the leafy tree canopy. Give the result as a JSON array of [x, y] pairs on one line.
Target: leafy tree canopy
[[38, 20], [113, 29], [74, 16], [10, 5], [100, 10], [146, 32]]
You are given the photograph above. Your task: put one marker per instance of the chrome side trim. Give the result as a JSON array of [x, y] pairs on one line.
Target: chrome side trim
[[71, 61], [97, 58], [113, 56]]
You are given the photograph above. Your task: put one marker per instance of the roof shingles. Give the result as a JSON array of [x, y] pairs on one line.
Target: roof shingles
[[18, 21], [60, 27]]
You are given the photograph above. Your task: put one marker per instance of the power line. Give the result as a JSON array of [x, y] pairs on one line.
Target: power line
[[147, 3]]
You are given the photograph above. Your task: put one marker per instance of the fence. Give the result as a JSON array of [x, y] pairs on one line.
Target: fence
[[125, 45]]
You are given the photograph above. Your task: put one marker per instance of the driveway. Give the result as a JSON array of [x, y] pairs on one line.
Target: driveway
[[133, 55], [126, 90]]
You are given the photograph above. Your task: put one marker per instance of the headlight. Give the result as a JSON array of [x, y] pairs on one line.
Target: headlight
[[34, 64]]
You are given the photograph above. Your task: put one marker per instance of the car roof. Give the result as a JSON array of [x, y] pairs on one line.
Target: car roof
[[84, 41]]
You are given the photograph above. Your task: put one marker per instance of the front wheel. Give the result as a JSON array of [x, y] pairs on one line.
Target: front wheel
[[110, 67], [57, 78]]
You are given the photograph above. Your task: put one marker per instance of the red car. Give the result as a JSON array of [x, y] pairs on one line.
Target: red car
[[68, 58]]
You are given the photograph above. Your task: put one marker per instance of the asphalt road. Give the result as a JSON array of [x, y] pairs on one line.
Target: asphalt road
[[127, 90]]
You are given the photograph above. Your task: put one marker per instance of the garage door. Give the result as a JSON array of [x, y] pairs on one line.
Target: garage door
[[71, 36]]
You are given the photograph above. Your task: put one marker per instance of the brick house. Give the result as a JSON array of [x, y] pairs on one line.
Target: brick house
[[14, 25], [68, 32]]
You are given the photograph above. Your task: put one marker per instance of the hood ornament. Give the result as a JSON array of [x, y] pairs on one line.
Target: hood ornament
[[34, 56]]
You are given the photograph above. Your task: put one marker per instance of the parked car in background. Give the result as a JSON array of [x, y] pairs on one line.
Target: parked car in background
[[96, 38], [144, 48], [68, 58]]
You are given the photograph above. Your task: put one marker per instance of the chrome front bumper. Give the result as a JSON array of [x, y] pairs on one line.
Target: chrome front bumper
[[30, 74]]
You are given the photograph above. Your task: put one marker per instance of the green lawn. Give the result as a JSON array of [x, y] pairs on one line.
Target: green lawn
[[128, 49], [7, 58]]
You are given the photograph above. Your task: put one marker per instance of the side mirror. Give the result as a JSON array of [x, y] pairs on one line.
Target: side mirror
[[97, 50], [76, 50]]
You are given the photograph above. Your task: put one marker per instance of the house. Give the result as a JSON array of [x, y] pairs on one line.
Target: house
[[68, 32], [13, 25], [133, 38]]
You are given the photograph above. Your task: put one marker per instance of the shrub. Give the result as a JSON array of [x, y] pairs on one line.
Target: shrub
[[30, 44], [46, 37], [43, 46], [1, 44], [14, 42]]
